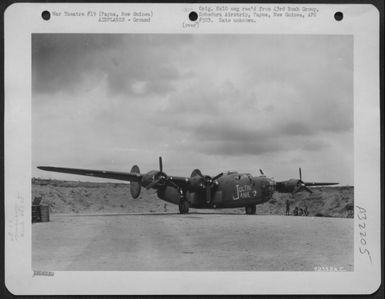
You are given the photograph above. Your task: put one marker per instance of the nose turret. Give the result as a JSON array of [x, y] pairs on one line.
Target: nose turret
[[265, 185], [270, 185]]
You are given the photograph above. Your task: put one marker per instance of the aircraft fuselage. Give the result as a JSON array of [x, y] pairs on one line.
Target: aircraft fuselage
[[233, 190]]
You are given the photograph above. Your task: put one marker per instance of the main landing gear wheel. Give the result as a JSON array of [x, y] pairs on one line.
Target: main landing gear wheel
[[251, 210], [183, 203], [184, 207]]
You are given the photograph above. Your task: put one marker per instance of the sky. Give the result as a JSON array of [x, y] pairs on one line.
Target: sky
[[214, 102]]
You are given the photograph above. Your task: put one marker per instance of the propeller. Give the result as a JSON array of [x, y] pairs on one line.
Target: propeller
[[208, 182], [261, 171], [301, 185], [160, 178], [161, 164], [153, 183]]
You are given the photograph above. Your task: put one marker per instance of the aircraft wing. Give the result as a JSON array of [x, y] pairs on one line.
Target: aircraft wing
[[319, 184], [123, 176], [182, 182], [295, 185]]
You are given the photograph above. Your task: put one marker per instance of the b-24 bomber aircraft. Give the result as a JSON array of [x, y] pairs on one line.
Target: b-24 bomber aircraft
[[225, 190]]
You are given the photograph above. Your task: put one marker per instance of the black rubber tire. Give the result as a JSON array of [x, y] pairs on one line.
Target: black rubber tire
[[251, 210], [184, 207], [254, 210]]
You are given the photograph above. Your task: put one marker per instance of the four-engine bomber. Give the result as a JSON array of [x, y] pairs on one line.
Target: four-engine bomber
[[225, 190]]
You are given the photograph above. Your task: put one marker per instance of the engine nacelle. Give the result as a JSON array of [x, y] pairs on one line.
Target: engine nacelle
[[287, 186], [196, 179], [135, 187], [196, 172]]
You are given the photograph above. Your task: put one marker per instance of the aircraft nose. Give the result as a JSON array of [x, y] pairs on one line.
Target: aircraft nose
[[271, 186]]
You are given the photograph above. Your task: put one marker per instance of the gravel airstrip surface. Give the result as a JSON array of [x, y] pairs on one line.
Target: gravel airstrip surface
[[199, 241]]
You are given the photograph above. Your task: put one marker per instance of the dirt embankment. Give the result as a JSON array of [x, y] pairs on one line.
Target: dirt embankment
[[88, 197]]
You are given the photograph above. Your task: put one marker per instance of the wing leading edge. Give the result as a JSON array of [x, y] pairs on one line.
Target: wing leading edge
[[182, 182], [123, 176], [319, 184]]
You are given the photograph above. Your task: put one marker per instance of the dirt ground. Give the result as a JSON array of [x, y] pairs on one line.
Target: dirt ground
[[194, 242]]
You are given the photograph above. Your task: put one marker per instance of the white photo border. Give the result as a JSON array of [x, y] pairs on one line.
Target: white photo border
[[21, 20]]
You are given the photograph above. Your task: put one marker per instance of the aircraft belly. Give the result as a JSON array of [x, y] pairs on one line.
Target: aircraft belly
[[243, 203], [169, 194], [198, 200], [217, 201], [226, 198]]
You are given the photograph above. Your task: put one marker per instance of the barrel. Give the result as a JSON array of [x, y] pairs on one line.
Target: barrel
[[44, 213], [37, 200], [35, 213]]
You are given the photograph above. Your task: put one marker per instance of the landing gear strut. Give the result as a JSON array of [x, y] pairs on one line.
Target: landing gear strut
[[183, 203], [183, 207], [251, 210]]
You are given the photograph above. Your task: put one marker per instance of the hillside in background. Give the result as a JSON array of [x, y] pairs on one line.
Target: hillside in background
[[88, 197]]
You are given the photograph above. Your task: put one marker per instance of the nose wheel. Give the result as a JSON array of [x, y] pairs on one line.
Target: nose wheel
[[251, 210], [184, 205]]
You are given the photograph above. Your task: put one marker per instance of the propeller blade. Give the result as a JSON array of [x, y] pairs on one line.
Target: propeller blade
[[208, 193], [261, 171], [152, 184], [300, 174], [160, 164], [217, 176], [298, 186], [301, 186], [296, 189]]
